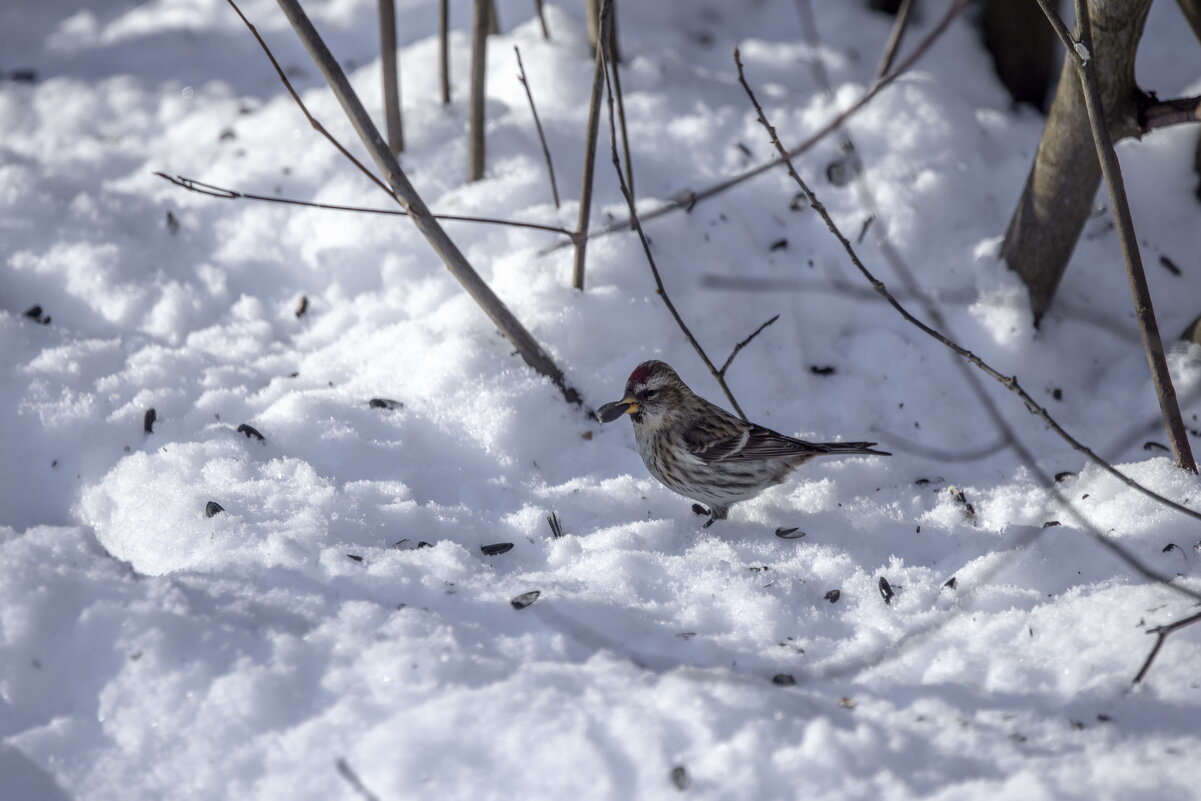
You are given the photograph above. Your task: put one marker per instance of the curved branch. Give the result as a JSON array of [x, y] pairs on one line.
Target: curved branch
[[660, 289], [192, 185], [1009, 382]]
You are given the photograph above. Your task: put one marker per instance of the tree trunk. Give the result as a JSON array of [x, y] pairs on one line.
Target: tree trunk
[[1063, 180]]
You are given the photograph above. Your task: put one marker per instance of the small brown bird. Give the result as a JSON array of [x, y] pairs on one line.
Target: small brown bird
[[702, 451]]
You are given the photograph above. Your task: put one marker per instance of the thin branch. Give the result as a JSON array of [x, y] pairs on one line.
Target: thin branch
[[1009, 382], [391, 76], [529, 349], [444, 48], [192, 185], [550, 167], [352, 778], [598, 79], [317, 126], [542, 19], [687, 199], [646, 245], [493, 18], [479, 66], [1161, 634], [743, 344], [1081, 53], [899, 25], [1008, 438], [615, 69]]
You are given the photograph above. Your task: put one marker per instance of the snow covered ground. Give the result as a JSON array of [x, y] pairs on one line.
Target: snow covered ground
[[148, 651]]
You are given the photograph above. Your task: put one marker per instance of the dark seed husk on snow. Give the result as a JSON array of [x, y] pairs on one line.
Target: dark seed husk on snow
[[525, 599]]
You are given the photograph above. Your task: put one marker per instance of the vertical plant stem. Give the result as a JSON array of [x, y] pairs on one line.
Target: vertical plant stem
[[598, 80], [894, 38], [718, 375], [476, 122], [388, 60], [592, 13], [407, 196], [550, 167], [444, 48], [493, 19], [1081, 52], [615, 68], [542, 19]]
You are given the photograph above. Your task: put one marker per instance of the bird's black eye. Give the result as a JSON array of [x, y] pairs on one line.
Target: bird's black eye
[[650, 393]]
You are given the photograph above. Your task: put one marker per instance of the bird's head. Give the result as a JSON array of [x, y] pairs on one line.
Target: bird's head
[[654, 396]]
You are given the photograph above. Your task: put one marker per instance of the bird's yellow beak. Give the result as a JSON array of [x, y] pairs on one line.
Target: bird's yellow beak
[[611, 411]]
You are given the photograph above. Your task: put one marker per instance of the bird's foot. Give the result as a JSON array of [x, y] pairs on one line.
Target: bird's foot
[[703, 512]]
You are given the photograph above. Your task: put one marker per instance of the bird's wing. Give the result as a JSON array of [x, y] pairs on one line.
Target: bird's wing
[[735, 441]]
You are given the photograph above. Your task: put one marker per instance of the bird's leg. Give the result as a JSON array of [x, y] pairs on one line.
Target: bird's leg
[[709, 522]]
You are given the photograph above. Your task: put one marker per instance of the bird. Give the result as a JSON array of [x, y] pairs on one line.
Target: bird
[[701, 451]]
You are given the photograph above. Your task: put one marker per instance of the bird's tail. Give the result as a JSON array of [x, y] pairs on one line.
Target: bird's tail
[[850, 447]]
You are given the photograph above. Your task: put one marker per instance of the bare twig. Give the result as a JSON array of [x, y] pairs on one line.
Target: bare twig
[[1009, 382], [352, 778], [598, 79], [479, 65], [899, 26], [493, 18], [192, 185], [550, 167], [1161, 634], [444, 48], [388, 62], [1081, 53], [615, 70], [660, 289], [542, 19], [1026, 539], [316, 125], [686, 200], [407, 197], [743, 344]]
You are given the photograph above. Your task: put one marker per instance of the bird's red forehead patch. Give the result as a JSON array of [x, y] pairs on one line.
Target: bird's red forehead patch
[[641, 375]]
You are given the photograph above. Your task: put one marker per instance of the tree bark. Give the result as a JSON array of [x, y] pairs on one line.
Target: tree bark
[[1063, 180]]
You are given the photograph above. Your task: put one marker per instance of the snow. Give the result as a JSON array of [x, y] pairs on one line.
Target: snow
[[151, 651]]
